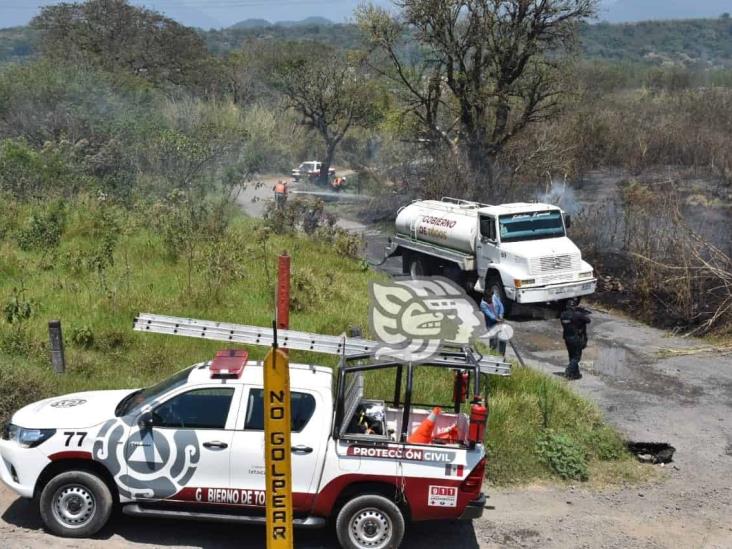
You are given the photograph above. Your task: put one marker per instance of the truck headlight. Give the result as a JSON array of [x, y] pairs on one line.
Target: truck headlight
[[586, 274], [528, 282], [27, 438]]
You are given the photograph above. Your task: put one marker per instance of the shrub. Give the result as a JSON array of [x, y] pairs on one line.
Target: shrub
[[17, 342], [307, 290], [8, 215], [563, 455], [220, 262], [44, 228], [112, 340], [82, 336]]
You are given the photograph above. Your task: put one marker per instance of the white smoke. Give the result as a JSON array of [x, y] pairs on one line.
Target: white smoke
[[561, 193]]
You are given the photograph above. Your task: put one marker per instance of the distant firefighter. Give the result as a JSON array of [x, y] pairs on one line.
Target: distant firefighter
[[280, 194], [338, 183], [574, 321]]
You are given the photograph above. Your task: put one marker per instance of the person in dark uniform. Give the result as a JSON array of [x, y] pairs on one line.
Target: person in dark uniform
[[574, 321]]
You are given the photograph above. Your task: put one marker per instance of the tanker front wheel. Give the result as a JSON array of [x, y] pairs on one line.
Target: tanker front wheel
[[493, 283]]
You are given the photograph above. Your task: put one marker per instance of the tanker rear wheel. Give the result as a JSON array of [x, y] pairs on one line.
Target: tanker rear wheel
[[416, 265]]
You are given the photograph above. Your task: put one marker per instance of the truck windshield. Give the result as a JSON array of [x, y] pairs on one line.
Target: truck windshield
[[531, 226], [137, 399]]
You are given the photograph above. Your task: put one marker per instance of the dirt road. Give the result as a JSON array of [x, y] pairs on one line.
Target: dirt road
[[648, 386], [253, 197]]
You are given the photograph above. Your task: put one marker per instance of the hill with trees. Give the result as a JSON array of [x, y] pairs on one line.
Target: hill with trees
[[707, 42], [693, 41]]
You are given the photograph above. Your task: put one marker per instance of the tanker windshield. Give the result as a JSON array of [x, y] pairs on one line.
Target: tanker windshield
[[531, 226]]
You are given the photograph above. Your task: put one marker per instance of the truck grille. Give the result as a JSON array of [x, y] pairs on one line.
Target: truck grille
[[555, 278], [553, 263]]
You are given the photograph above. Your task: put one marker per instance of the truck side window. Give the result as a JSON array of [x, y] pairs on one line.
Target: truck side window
[[302, 408], [488, 228], [196, 409]]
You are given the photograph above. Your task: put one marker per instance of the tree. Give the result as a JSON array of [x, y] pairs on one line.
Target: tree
[[484, 70], [330, 93], [115, 36]]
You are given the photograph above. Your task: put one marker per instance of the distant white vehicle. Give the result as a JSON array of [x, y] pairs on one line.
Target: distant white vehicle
[[310, 170], [520, 249]]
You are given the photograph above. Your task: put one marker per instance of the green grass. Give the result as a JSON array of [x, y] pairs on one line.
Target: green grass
[[331, 292]]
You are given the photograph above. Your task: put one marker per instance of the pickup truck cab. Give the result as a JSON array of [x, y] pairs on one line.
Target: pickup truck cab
[[192, 446], [310, 171]]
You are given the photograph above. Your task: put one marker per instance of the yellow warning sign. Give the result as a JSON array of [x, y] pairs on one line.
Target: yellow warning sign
[[277, 450]]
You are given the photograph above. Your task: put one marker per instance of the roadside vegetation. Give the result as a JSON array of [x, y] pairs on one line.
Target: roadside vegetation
[[95, 264]]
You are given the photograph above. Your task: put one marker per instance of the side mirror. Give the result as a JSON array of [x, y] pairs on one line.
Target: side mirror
[[567, 221], [145, 421]]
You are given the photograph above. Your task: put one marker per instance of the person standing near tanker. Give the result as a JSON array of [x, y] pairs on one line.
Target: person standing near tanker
[[492, 308], [574, 321]]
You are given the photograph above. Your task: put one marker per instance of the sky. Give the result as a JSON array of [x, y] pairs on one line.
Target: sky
[[223, 13]]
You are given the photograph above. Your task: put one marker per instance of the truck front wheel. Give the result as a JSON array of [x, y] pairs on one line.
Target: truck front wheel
[[75, 504], [370, 522], [494, 282]]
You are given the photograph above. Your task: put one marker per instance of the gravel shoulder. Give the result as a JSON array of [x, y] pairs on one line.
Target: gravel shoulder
[[651, 386]]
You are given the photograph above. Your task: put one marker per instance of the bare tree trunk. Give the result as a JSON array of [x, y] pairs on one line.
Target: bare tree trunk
[[327, 161], [481, 163]]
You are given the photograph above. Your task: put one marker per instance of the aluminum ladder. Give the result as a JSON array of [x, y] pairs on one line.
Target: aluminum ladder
[[301, 341]]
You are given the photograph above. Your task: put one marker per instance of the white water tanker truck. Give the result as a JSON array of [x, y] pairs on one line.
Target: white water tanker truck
[[521, 249]]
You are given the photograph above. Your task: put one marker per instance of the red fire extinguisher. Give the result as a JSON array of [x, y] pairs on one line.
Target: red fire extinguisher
[[478, 420]]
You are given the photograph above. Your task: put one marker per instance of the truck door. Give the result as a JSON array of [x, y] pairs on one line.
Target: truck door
[[310, 423], [487, 248], [184, 452]]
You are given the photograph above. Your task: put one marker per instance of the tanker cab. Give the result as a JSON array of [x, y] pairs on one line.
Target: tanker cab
[[487, 247]]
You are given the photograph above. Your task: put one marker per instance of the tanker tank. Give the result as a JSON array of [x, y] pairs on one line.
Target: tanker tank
[[445, 224]]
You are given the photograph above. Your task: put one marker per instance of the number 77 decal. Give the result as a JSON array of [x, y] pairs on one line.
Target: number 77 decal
[[70, 435]]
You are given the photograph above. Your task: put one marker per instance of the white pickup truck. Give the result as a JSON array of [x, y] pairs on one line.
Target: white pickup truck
[[310, 171], [192, 447], [520, 249]]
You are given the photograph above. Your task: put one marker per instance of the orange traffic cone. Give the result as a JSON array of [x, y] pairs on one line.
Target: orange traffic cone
[[423, 433], [449, 435]]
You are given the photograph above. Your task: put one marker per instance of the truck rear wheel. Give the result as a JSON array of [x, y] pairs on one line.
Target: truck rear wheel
[[415, 265], [75, 504], [370, 522]]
